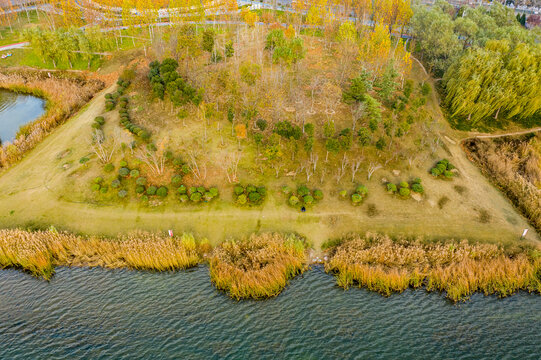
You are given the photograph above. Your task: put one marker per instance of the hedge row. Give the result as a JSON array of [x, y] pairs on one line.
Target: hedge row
[[357, 197], [111, 98], [404, 188], [128, 124], [303, 196], [249, 194], [197, 194], [443, 169]]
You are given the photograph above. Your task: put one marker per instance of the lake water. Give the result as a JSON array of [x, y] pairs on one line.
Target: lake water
[[16, 110], [122, 314]]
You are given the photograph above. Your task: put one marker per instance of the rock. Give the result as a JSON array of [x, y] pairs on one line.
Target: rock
[[417, 197], [396, 172], [384, 180]]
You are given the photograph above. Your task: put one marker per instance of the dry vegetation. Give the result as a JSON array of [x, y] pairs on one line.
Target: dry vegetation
[[257, 267], [66, 93], [456, 268], [514, 164], [40, 252]]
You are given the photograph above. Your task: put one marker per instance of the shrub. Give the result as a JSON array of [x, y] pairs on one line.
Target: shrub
[[134, 173], [123, 163], [140, 189], [435, 172], [405, 192], [122, 194], [201, 189], [362, 190], [195, 197], [100, 120], [144, 198], [286, 190], [184, 198], [251, 189], [109, 168], [104, 189], [241, 199], [318, 194], [208, 196], [192, 190], [152, 190], [448, 174], [441, 167], [182, 189], [115, 184], [238, 189], [254, 197], [293, 200], [162, 191], [417, 181], [95, 187], [185, 169], [176, 180], [404, 184], [84, 160], [302, 191], [142, 181], [213, 191], [418, 188], [262, 191], [98, 180], [356, 199], [124, 172], [308, 199], [261, 124], [343, 194], [391, 188]]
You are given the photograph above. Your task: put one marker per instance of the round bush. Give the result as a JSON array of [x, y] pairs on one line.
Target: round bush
[[254, 197], [441, 167], [238, 189], [405, 192], [124, 172], [176, 180], [144, 198], [293, 200], [343, 194], [251, 189], [162, 191], [142, 181], [391, 188], [450, 166], [362, 190], [95, 187], [435, 172], [404, 184], [417, 180], [302, 191], [108, 96], [115, 184], [98, 180], [184, 198], [109, 168], [123, 163], [84, 160], [241, 199], [201, 189], [104, 190], [318, 194], [208, 196], [418, 188], [151, 190], [185, 169], [262, 191], [213, 191], [195, 197], [443, 162], [96, 126], [182, 189], [178, 162], [308, 199], [140, 189], [448, 174], [192, 190], [122, 194], [145, 135], [286, 190], [356, 198]]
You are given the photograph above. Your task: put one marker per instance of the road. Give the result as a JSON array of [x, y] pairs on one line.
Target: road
[[14, 46]]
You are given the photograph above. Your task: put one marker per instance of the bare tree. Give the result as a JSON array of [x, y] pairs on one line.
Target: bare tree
[[230, 165], [341, 170], [155, 160], [103, 149], [373, 168], [194, 167], [355, 166]]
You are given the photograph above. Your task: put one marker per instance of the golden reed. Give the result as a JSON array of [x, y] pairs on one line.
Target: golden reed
[[259, 266], [40, 252], [459, 269]]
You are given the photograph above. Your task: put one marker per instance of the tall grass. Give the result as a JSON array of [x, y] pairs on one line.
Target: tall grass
[[457, 268], [39, 252], [64, 93], [259, 266]]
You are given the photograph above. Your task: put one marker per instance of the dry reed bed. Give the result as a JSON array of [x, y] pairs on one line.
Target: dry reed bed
[[515, 166], [40, 252], [459, 269], [65, 93], [259, 266]]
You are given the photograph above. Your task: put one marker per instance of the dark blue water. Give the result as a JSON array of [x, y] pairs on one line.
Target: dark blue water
[[16, 110], [121, 314]]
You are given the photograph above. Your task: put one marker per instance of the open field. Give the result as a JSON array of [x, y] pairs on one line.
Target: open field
[[33, 195]]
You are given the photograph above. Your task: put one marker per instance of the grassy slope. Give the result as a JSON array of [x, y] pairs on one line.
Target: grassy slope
[[32, 195]]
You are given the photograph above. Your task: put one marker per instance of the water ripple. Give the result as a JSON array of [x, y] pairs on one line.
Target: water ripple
[[122, 314]]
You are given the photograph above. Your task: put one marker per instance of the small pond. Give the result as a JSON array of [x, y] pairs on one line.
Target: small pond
[[17, 110]]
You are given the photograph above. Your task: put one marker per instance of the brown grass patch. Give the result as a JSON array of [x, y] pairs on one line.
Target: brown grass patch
[[380, 264], [259, 266]]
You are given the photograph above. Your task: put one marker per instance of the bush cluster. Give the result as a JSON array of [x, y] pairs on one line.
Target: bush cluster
[[360, 193], [99, 186], [181, 166], [112, 98], [443, 169], [99, 121], [197, 194], [404, 188], [128, 124], [303, 197], [249, 194], [164, 78]]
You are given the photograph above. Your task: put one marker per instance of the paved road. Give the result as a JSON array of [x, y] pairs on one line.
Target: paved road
[[14, 46]]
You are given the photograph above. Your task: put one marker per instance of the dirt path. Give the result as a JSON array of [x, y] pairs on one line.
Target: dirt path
[[513, 133]]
